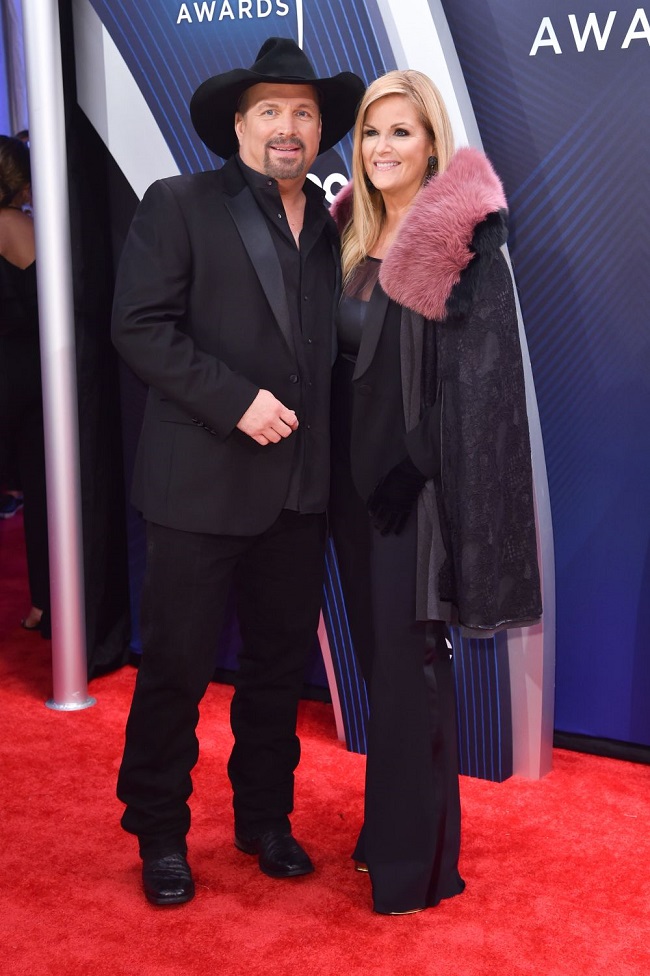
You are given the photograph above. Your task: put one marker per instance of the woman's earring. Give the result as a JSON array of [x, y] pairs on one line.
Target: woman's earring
[[432, 169]]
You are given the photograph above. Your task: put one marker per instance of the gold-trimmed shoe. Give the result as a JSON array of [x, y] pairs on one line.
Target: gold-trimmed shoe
[[410, 911]]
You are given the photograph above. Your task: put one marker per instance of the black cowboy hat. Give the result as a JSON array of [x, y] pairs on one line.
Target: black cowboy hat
[[279, 61]]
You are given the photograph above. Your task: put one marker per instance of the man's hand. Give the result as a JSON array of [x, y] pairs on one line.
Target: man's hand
[[267, 420]]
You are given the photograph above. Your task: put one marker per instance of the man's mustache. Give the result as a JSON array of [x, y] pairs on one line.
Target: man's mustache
[[289, 141]]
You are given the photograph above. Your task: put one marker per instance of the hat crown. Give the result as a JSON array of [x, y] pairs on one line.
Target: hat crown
[[280, 57], [279, 61]]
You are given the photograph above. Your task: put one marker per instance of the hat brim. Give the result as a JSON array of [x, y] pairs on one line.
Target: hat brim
[[214, 104]]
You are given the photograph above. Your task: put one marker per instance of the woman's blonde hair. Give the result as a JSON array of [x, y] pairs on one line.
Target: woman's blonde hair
[[368, 212]]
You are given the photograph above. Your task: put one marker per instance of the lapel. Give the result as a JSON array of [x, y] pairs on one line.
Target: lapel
[[256, 237], [374, 321]]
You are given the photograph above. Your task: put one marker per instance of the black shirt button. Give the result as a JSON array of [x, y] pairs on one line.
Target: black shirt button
[[293, 378]]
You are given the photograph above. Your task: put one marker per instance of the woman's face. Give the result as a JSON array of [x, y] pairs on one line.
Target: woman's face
[[395, 147]]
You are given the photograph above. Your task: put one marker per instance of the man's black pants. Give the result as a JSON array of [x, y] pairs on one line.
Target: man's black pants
[[277, 577]]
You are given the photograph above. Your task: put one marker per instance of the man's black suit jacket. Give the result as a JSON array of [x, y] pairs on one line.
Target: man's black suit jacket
[[200, 314]]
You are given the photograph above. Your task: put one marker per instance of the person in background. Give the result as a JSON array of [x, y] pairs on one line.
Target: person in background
[[431, 501], [11, 498], [224, 306], [22, 454]]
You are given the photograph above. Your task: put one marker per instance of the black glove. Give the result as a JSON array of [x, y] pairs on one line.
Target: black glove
[[392, 499]]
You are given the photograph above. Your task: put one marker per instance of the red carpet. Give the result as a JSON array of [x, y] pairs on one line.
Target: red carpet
[[557, 871]]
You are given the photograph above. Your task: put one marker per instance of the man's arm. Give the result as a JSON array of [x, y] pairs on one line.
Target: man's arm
[[148, 324]]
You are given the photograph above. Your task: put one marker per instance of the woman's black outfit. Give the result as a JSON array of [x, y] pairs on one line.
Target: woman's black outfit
[[411, 835], [21, 418], [428, 391]]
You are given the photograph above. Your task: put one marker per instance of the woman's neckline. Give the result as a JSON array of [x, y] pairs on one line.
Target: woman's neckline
[[18, 267]]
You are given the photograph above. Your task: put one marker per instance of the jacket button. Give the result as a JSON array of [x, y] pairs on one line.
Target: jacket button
[[293, 378], [364, 389]]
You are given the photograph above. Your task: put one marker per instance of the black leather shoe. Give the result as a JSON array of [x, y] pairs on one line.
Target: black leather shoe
[[167, 880], [280, 854]]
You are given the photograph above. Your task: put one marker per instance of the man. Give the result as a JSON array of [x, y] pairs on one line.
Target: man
[[224, 306]]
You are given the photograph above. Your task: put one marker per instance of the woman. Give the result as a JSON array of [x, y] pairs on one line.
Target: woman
[[21, 414], [431, 510]]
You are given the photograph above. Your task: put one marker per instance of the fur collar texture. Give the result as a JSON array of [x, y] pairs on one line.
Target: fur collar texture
[[459, 215]]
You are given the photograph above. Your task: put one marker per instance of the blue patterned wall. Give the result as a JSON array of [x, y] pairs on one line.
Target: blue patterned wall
[[564, 115], [569, 133]]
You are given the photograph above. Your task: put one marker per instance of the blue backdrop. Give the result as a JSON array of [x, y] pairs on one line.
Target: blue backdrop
[[568, 130], [562, 106]]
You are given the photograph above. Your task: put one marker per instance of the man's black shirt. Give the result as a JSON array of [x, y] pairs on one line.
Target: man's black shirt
[[310, 275]]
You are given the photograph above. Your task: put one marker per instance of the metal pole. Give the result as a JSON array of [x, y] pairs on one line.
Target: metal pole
[[58, 361]]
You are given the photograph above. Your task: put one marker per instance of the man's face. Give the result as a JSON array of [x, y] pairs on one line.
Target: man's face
[[279, 129]]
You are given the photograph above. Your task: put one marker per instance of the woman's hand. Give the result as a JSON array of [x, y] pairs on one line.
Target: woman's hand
[[392, 499]]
